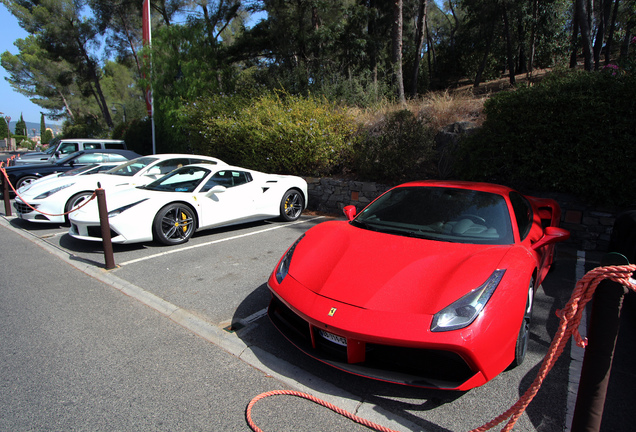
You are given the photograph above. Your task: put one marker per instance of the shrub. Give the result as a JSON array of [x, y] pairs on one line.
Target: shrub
[[399, 147], [275, 132], [573, 132]]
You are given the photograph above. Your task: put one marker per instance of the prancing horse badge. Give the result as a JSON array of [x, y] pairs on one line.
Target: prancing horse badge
[[332, 312]]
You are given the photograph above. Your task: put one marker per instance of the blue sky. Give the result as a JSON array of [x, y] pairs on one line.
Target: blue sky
[[13, 103]]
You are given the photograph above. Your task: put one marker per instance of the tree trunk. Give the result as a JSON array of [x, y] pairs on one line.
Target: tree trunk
[[131, 44], [68, 108], [397, 50], [610, 37], [625, 45], [419, 42], [93, 76], [582, 17], [606, 10], [575, 40], [453, 31], [511, 60], [533, 36], [373, 56], [430, 51], [522, 60], [482, 66]]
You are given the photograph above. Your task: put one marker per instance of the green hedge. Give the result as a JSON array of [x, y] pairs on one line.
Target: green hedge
[[574, 132], [285, 134], [275, 133], [400, 148]]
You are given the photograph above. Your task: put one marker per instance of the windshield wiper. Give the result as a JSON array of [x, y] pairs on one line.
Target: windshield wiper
[[405, 232], [364, 225]]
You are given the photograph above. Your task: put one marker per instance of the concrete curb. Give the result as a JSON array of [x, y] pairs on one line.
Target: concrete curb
[[284, 372]]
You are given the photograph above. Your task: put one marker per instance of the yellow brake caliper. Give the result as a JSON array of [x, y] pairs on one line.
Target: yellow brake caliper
[[177, 224]]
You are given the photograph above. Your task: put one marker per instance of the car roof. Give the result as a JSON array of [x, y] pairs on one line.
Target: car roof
[[478, 186], [90, 140], [162, 156], [222, 166], [120, 151]]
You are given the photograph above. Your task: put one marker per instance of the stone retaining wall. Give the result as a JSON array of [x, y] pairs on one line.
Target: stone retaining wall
[[590, 228]]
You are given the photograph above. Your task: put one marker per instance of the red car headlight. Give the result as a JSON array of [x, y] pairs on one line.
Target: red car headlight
[[463, 312], [283, 267]]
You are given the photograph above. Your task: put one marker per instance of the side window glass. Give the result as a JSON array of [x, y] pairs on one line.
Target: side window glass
[[91, 146], [87, 158], [227, 179], [222, 178], [523, 213], [114, 157], [68, 148], [171, 164], [240, 178]]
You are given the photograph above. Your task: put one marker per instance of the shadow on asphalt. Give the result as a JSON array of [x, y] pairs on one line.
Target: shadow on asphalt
[[266, 337]]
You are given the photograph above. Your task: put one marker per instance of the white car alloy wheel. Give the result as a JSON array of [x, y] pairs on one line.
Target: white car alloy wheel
[[292, 205], [26, 180], [174, 224]]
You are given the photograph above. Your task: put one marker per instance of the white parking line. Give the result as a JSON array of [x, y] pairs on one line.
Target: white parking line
[[216, 241]]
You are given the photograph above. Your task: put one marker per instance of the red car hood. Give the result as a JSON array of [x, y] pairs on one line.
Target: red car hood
[[389, 272]]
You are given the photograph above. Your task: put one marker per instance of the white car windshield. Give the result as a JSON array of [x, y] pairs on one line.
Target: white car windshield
[[185, 179], [438, 213], [132, 167]]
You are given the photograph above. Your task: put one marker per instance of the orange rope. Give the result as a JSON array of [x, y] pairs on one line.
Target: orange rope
[[570, 317], [33, 208], [332, 407]]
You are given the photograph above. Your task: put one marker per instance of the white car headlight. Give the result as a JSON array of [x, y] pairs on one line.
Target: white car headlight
[[49, 193], [283, 267], [122, 209], [464, 311]]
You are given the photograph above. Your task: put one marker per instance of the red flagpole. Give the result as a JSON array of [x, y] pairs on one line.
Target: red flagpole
[[147, 40]]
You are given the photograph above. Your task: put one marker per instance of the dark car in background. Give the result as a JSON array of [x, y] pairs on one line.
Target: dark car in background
[[20, 175], [62, 148]]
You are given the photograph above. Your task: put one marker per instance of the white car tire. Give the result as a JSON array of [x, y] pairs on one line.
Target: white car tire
[[292, 205], [174, 224], [75, 201]]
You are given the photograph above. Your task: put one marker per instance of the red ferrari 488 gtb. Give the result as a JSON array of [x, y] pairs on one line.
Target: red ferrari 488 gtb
[[431, 285]]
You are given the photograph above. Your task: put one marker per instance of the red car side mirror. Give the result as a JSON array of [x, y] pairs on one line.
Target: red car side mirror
[[350, 211], [552, 235]]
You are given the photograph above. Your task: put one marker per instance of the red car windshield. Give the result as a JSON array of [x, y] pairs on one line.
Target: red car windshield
[[440, 213]]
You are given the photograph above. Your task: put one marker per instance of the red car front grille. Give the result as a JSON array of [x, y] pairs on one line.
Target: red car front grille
[[412, 366]]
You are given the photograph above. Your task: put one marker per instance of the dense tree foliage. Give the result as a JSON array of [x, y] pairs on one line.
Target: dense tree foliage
[[85, 57], [240, 78]]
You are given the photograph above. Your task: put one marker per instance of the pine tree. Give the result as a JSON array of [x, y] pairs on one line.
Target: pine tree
[[3, 129], [20, 127], [42, 125]]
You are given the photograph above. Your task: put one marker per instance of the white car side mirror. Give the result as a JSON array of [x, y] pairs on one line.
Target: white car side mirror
[[216, 189], [154, 171]]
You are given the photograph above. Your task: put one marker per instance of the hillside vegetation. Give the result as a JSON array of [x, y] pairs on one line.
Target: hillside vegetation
[[572, 132]]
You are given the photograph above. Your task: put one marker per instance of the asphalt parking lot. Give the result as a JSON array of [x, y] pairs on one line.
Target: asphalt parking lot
[[215, 286]]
